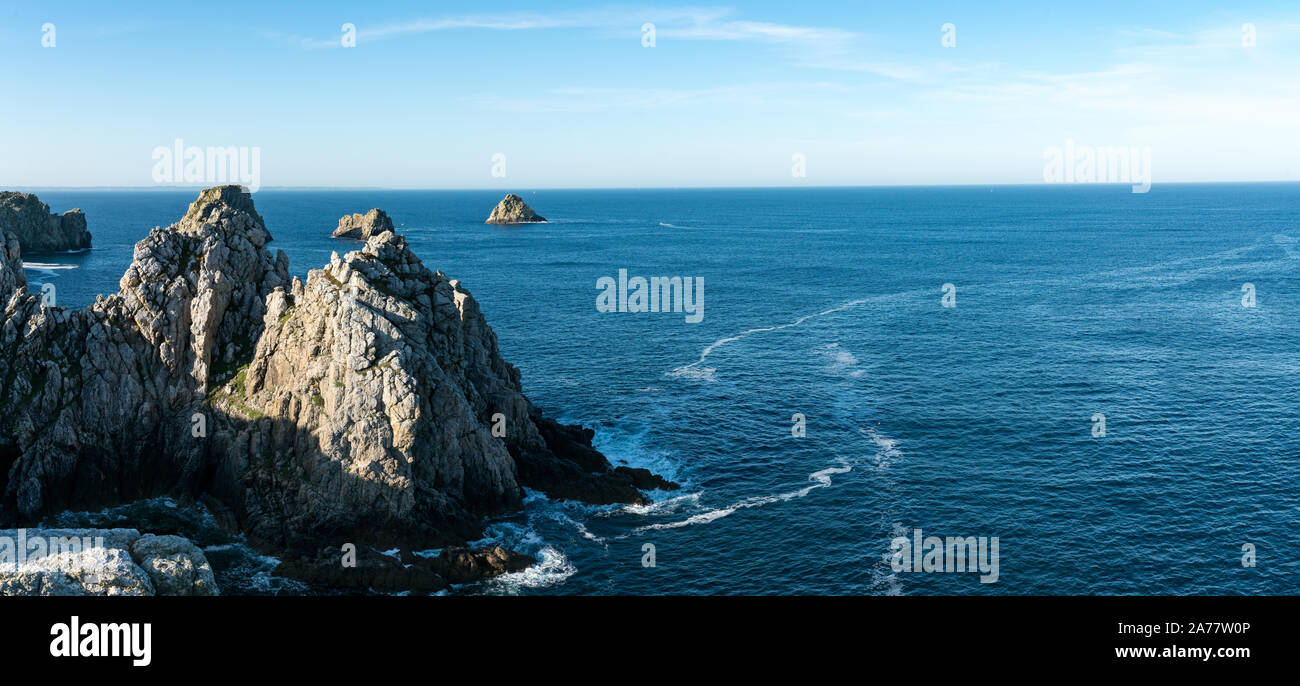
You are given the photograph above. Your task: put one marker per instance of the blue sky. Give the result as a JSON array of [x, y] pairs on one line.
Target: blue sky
[[864, 91]]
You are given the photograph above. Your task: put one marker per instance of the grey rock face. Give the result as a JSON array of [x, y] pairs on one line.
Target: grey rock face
[[356, 406], [513, 210], [174, 565], [362, 227], [101, 562], [102, 406], [29, 220]]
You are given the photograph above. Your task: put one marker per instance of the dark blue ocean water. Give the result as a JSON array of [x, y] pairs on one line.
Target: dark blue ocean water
[[974, 420]]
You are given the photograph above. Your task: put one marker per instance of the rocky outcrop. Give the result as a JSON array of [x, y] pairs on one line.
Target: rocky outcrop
[[397, 572], [461, 565], [363, 226], [513, 210], [107, 404], [174, 565], [371, 570], [77, 562], [29, 220], [355, 406]]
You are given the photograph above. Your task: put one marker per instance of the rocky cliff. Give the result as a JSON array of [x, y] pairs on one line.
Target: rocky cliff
[[366, 404], [28, 219], [363, 226], [513, 210]]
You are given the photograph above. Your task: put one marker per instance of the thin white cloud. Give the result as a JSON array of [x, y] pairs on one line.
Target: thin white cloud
[[809, 46]]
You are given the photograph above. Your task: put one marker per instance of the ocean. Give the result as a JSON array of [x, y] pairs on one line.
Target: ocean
[[1074, 370]]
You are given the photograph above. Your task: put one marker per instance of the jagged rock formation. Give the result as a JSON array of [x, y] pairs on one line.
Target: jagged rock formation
[[98, 406], [77, 562], [513, 210], [362, 227], [356, 406], [30, 220]]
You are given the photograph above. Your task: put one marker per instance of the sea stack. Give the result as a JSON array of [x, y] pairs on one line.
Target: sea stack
[[355, 405], [513, 210], [362, 227], [37, 229]]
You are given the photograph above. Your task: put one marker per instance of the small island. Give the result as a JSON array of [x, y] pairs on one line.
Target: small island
[[513, 210], [37, 229], [362, 227]]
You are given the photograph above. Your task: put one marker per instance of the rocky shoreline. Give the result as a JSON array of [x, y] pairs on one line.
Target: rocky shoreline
[[367, 405]]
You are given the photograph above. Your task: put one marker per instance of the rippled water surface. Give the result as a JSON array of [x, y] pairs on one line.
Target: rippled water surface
[[974, 420]]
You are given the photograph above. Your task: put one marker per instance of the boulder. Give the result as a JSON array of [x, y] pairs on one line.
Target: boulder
[[174, 565], [461, 565]]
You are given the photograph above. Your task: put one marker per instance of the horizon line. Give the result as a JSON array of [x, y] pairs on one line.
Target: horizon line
[[637, 188]]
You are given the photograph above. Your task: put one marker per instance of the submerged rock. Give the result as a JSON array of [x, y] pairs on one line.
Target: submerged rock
[[100, 562], [355, 406], [362, 227], [372, 571], [367, 569], [513, 210], [37, 229]]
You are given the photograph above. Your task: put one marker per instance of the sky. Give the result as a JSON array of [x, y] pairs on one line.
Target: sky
[[570, 96]]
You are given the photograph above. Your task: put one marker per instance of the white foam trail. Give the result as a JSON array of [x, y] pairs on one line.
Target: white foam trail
[[841, 362], [820, 479], [882, 573], [887, 451], [696, 370], [48, 269], [582, 529], [665, 506]]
